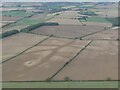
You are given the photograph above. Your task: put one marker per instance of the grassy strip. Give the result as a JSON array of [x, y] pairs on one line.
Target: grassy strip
[[91, 84]]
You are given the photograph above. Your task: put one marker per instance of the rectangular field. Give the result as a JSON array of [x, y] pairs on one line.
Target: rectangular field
[[99, 61], [107, 35], [15, 44], [68, 31], [65, 21], [42, 61]]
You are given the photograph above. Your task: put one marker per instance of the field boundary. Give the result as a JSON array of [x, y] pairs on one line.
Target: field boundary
[[25, 50], [69, 61], [94, 33]]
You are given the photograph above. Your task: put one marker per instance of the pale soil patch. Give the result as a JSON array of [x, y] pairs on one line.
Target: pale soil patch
[[40, 63], [109, 34], [65, 21], [68, 15], [17, 43], [98, 62]]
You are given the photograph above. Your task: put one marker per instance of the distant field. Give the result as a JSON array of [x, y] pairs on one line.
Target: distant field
[[27, 21], [16, 13], [95, 19], [106, 35], [94, 84], [8, 18], [85, 6], [21, 24]]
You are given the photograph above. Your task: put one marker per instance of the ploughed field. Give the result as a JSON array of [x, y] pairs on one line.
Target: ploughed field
[[68, 31], [109, 34], [13, 45], [42, 61], [99, 61], [56, 52]]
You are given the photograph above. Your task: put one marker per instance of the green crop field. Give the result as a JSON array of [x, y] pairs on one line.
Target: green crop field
[[16, 13], [89, 84], [85, 6], [28, 21]]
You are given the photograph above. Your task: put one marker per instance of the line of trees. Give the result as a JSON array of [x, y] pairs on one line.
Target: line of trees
[[8, 33], [29, 28]]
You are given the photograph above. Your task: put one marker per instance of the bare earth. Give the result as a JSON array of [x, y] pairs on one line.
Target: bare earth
[[98, 62], [69, 31], [42, 61], [108, 35], [13, 45]]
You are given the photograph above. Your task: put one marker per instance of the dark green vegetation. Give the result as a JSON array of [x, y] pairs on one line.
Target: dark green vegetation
[[85, 6], [8, 33], [114, 21], [32, 27], [69, 84], [90, 13], [27, 21], [16, 13]]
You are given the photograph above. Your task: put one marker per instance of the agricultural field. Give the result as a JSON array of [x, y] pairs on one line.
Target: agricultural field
[[93, 63], [16, 13], [10, 19], [79, 51], [68, 31], [45, 59], [22, 40], [66, 18], [104, 35]]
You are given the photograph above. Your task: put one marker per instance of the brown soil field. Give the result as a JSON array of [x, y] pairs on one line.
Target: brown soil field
[[42, 61], [99, 61], [7, 18], [15, 44], [108, 34], [98, 24], [69, 31]]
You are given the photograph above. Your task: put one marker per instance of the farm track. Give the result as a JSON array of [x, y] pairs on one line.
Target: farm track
[[70, 60], [25, 50]]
